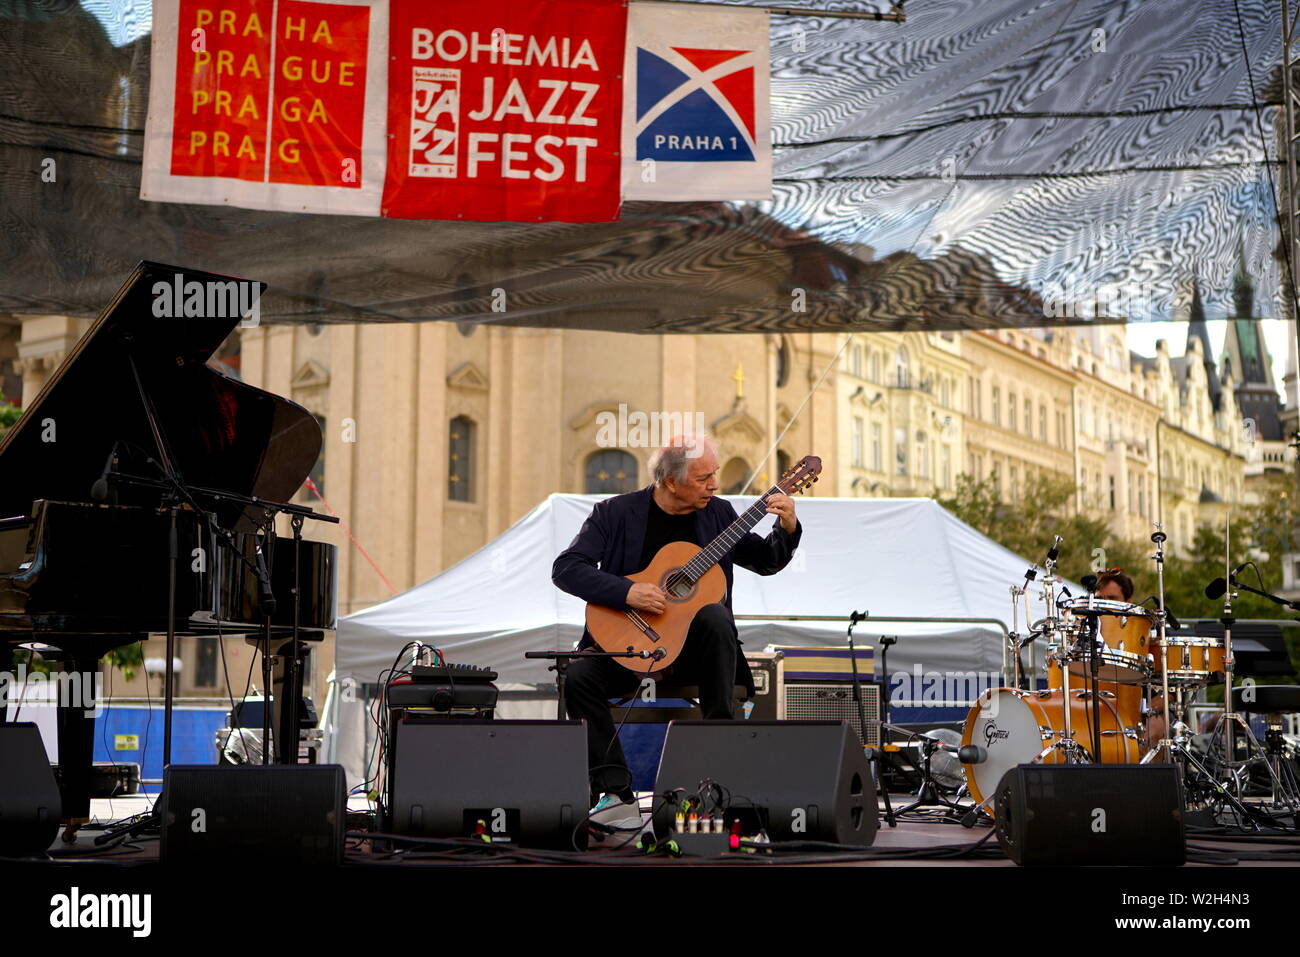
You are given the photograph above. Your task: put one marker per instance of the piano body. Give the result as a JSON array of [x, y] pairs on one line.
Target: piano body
[[86, 507]]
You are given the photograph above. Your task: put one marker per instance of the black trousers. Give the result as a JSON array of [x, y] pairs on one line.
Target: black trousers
[[708, 659]]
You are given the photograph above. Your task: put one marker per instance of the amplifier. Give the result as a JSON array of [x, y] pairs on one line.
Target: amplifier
[[833, 701], [108, 780]]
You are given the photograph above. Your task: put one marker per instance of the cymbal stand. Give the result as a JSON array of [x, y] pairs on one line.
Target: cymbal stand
[[1070, 750], [1014, 637], [1177, 747]]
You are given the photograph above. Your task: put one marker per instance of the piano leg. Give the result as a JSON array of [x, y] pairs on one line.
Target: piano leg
[[288, 696], [77, 741]]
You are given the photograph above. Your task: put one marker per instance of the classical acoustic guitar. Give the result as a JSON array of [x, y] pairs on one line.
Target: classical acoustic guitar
[[690, 578]]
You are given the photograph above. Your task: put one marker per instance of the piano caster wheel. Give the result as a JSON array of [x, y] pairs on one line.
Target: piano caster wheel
[[70, 829]]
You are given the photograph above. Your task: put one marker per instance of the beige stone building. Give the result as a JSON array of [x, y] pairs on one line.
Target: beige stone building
[[1020, 422], [1116, 416], [901, 424]]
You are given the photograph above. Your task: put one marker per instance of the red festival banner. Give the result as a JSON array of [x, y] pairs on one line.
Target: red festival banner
[[268, 104], [505, 110]]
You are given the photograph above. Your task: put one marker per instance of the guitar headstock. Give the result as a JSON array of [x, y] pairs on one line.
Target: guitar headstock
[[799, 476]]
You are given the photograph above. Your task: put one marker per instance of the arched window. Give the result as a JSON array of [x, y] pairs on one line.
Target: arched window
[[460, 460], [782, 462], [782, 363], [734, 475], [900, 367], [610, 472], [874, 367], [855, 361]]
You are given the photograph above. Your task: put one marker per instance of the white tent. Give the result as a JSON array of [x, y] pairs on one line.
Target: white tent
[[895, 558]]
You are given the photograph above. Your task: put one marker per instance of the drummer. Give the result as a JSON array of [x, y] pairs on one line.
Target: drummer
[[1114, 585]]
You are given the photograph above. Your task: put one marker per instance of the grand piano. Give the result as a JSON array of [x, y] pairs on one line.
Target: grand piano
[[133, 436]]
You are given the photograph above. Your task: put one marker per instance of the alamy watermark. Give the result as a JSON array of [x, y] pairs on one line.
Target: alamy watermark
[[208, 299], [941, 688], [66, 689], [1104, 301], [649, 430]]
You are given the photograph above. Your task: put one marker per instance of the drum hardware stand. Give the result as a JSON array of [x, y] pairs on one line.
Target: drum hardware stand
[[1176, 747], [1088, 641], [1070, 750]]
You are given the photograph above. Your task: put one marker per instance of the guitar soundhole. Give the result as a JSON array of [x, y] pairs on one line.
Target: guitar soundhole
[[678, 585]]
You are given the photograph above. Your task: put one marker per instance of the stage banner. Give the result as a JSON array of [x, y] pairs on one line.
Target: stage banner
[[268, 104], [505, 110], [697, 116]]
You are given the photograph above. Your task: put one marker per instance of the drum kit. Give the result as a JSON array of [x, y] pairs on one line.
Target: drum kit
[[1105, 660]]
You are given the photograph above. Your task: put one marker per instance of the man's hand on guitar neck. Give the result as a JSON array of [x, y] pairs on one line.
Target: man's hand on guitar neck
[[782, 506], [646, 597]]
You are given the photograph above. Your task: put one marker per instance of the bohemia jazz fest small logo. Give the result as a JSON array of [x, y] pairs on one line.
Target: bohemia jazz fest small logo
[[698, 110]]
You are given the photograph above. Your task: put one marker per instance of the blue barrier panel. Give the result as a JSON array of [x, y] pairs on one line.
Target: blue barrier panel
[[193, 737]]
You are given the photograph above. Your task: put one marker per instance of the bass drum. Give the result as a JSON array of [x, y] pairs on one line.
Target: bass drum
[[1015, 727]]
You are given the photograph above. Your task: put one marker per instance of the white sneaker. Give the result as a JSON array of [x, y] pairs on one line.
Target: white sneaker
[[612, 811]]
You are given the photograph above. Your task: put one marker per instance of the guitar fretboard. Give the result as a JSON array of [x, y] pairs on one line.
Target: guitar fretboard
[[713, 552]]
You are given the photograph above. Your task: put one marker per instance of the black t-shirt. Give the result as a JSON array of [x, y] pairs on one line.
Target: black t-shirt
[[662, 528]]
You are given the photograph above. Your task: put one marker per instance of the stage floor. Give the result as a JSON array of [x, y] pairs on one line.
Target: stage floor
[[922, 839]]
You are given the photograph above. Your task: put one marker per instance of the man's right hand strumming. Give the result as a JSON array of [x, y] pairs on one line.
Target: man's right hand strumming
[[647, 598]]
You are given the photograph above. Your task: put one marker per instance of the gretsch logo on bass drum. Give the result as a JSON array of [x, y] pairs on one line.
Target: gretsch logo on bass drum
[[993, 733]]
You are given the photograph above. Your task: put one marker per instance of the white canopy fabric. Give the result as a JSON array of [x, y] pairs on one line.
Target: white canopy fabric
[[895, 558]]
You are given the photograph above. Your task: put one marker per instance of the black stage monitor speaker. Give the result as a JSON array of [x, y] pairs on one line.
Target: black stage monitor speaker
[[800, 780], [281, 813], [30, 806], [1091, 814], [525, 780]]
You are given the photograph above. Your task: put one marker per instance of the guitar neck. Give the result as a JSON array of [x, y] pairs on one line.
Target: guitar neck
[[713, 552]]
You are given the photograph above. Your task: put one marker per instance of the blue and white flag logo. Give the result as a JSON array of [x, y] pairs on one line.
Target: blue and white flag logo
[[700, 110], [697, 117]]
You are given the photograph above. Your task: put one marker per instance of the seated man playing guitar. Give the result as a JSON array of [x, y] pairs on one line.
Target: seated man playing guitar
[[624, 534]]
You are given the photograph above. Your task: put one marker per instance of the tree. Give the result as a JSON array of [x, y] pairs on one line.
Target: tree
[[9, 412]]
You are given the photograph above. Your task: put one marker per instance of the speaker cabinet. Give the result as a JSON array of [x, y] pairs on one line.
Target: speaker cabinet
[[525, 780], [268, 813], [30, 806], [1091, 814], [799, 780], [833, 701]]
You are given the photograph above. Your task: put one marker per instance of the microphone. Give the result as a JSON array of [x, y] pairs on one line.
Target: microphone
[[265, 596], [966, 753], [858, 616], [1216, 588], [1089, 582], [99, 490]]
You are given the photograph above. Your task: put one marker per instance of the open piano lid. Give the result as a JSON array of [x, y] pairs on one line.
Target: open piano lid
[[221, 433]]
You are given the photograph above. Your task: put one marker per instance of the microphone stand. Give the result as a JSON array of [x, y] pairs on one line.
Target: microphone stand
[[877, 757]]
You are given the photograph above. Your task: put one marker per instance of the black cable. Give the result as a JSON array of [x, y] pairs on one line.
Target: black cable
[[1030, 115], [1041, 175]]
